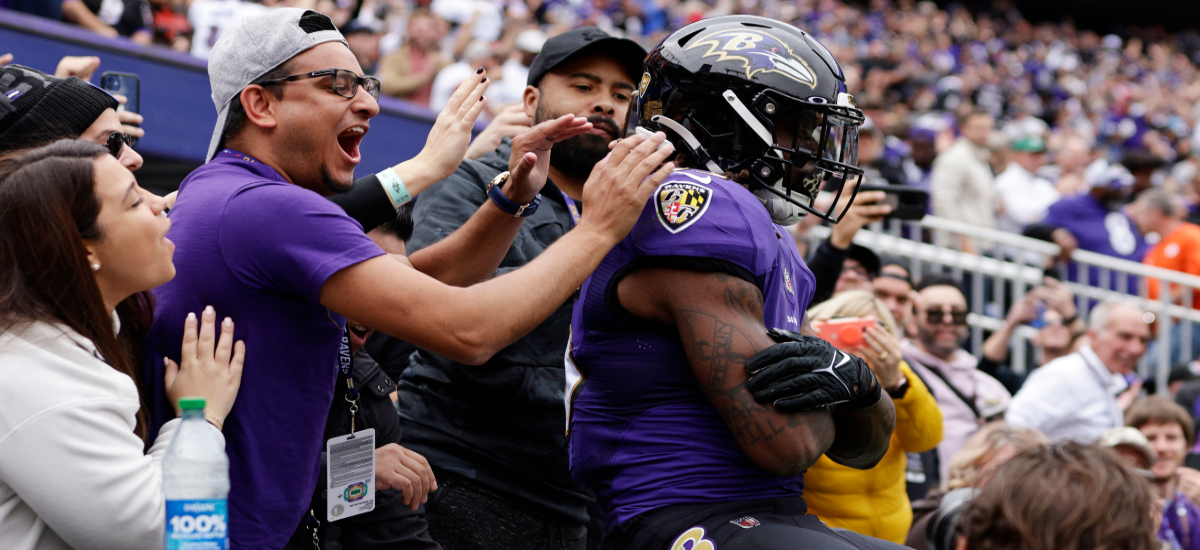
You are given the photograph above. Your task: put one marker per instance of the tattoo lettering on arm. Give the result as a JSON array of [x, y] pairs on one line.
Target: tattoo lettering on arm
[[720, 324]]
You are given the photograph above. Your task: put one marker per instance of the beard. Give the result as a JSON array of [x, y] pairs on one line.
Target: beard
[[576, 156], [332, 184]]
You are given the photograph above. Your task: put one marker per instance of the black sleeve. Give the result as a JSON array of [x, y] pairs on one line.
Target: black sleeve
[[1003, 373], [1039, 231], [367, 203], [826, 266]]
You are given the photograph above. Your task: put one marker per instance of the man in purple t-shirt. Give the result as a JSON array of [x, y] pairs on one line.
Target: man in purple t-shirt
[[257, 239]]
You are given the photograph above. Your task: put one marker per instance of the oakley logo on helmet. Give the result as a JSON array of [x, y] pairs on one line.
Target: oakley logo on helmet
[[758, 52]]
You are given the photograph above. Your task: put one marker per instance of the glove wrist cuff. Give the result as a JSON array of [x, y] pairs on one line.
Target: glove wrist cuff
[[866, 400]]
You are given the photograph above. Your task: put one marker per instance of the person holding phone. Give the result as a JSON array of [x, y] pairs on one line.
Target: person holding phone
[[79, 241], [874, 502]]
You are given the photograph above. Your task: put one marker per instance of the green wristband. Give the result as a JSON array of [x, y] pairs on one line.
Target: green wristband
[[395, 187]]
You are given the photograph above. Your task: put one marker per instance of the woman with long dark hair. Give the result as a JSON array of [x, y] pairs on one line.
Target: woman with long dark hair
[[80, 242]]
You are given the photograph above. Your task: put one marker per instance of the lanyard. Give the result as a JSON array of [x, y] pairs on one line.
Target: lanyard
[[571, 206], [344, 363]]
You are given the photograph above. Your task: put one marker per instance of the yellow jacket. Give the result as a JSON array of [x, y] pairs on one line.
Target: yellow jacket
[[875, 502]]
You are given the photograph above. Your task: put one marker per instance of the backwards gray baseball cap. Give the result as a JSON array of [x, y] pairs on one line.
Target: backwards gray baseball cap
[[254, 47]]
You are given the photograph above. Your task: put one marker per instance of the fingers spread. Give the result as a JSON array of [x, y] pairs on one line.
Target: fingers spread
[[460, 95]]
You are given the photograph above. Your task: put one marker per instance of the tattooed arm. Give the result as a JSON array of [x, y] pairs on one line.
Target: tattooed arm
[[720, 322]]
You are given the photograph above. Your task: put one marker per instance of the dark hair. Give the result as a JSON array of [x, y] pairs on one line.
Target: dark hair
[[236, 118], [938, 280], [48, 208], [1065, 496], [401, 226], [1156, 409]]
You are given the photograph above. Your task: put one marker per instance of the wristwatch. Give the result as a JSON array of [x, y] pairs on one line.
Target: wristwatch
[[503, 202]]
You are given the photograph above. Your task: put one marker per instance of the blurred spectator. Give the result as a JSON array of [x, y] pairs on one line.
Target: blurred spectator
[[962, 179], [1034, 502], [1143, 165], [1095, 222], [966, 396], [918, 165], [1023, 196], [1051, 309], [1169, 430], [1070, 160], [171, 27], [479, 53], [1132, 445], [970, 468], [516, 70], [1076, 397], [408, 72], [893, 286], [363, 39], [838, 264], [874, 502], [211, 18], [112, 18], [1178, 249]]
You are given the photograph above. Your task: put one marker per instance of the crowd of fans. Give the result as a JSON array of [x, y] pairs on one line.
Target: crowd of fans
[[1088, 141]]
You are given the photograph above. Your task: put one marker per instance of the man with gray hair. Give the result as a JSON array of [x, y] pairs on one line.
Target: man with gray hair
[[1076, 397], [1178, 249]]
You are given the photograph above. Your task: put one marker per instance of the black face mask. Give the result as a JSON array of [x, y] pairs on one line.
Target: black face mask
[[577, 156]]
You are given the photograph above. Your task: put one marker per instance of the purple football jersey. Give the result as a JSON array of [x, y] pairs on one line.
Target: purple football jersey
[[642, 433]]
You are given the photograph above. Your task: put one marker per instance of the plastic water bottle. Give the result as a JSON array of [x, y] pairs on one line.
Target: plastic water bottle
[[196, 484]]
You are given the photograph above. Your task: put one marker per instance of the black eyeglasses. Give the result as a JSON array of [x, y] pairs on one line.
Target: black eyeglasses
[[937, 316], [116, 142], [345, 83]]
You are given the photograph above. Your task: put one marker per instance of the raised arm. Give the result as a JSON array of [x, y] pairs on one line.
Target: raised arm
[[469, 325], [720, 322]]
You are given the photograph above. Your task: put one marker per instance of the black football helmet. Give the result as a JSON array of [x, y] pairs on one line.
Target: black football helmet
[[748, 93]]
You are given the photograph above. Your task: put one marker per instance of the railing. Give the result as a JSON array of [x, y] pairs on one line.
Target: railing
[[988, 279]]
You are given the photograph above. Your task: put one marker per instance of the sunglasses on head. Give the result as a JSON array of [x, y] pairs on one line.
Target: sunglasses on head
[[935, 315], [116, 142]]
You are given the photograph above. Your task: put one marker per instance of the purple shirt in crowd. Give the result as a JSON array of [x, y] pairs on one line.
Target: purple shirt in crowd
[[642, 433], [1099, 230], [258, 249]]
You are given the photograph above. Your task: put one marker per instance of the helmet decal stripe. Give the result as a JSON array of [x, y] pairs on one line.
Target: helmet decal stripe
[[757, 52]]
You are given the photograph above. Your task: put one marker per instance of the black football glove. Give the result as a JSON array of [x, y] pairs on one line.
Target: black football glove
[[802, 373]]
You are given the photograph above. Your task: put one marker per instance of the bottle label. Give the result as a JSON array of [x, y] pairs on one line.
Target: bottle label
[[197, 525]]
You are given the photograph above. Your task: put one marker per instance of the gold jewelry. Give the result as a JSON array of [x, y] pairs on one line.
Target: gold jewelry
[[883, 356], [213, 420]]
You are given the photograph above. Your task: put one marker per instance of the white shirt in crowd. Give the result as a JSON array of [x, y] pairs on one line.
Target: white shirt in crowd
[[1072, 397], [1023, 196], [210, 18], [72, 472], [448, 80]]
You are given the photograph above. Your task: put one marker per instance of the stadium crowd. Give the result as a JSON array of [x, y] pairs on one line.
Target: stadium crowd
[[689, 424]]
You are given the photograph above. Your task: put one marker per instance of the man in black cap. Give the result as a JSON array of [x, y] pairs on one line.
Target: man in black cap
[[494, 433]]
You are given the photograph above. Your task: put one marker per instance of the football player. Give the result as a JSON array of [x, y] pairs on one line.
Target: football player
[[686, 418]]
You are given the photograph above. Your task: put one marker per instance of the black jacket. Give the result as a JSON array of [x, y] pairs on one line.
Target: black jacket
[[501, 423]]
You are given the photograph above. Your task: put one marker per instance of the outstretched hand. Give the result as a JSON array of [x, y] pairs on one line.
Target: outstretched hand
[[620, 184], [451, 133], [530, 159], [211, 367]]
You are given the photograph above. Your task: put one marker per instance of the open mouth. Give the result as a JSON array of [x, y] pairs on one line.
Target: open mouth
[[358, 330], [349, 140]]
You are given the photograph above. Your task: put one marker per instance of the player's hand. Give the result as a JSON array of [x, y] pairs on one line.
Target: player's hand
[[620, 184], [509, 122], [78, 66], [129, 121], [451, 133], [212, 367], [405, 471], [802, 373], [530, 159]]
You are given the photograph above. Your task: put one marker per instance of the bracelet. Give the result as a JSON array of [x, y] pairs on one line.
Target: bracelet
[[394, 186], [213, 420]]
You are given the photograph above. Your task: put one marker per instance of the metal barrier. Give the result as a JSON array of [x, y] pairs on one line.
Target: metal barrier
[[989, 278]]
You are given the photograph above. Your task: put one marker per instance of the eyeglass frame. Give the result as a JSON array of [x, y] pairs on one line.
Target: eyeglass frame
[[941, 316], [121, 139], [360, 81]]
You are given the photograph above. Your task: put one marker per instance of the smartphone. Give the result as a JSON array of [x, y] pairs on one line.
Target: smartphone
[[1040, 321], [908, 203], [128, 85], [844, 334]]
